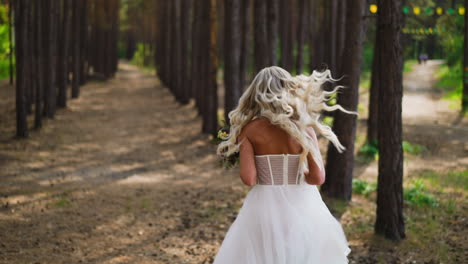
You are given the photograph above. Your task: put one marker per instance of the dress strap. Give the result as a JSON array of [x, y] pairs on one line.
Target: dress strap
[[271, 171], [285, 170]]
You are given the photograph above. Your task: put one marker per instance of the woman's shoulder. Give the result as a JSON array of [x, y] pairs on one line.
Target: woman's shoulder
[[253, 126]]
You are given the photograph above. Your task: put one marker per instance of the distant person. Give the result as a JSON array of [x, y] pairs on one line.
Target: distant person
[[423, 58], [283, 218]]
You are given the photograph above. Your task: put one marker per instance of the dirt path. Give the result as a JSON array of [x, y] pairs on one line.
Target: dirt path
[[429, 121], [433, 122], [123, 176]]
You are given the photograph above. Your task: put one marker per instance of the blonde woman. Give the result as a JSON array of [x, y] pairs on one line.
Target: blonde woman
[[283, 219]]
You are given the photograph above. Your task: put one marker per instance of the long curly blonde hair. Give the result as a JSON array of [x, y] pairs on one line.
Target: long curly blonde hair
[[292, 103]]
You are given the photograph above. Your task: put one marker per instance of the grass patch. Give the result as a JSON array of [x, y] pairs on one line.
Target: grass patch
[[457, 180], [369, 151], [408, 65], [418, 195], [434, 213], [62, 202], [413, 149], [450, 81], [363, 187]]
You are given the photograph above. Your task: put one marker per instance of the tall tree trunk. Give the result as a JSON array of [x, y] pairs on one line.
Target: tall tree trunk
[[245, 40], [465, 65], [232, 54], [196, 53], [39, 53], [389, 219], [286, 32], [261, 35], [64, 54], [176, 50], [372, 120], [185, 61], [21, 10], [333, 36], [10, 38], [341, 34], [84, 42], [317, 40], [272, 30], [76, 50], [339, 167], [301, 34], [210, 117], [28, 62]]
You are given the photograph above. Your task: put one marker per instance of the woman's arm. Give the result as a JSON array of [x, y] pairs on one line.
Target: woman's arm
[[315, 175], [248, 170]]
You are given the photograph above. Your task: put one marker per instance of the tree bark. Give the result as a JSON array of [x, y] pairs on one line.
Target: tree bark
[[261, 35], [76, 50], [64, 54], [10, 38], [389, 220], [341, 34], [286, 32], [301, 33], [465, 65], [176, 48], [210, 117], [372, 120], [185, 62], [232, 54], [272, 30], [39, 46], [339, 167], [21, 10], [245, 40]]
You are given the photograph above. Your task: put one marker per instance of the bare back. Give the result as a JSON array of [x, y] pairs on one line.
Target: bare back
[[267, 138], [260, 137]]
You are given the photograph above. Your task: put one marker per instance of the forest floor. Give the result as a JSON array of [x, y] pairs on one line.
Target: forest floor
[[122, 175]]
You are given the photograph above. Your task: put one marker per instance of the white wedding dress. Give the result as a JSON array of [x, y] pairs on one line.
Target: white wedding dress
[[283, 220]]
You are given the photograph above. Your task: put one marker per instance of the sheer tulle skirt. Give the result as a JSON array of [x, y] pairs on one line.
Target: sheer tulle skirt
[[284, 225]]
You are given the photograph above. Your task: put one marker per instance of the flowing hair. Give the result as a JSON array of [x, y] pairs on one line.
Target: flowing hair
[[292, 103]]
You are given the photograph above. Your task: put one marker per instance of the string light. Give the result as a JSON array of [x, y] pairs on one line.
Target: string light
[[373, 8], [461, 11]]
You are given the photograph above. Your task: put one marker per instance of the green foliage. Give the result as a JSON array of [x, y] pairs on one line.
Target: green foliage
[[413, 149], [418, 195], [452, 179], [452, 39], [62, 203], [142, 56], [4, 43], [369, 150], [450, 81], [363, 187], [328, 120], [408, 65]]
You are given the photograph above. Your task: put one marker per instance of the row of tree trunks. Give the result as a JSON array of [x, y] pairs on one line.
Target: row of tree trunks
[[51, 38], [186, 55]]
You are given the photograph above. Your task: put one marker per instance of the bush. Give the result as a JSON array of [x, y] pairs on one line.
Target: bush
[[413, 149], [363, 187], [417, 195]]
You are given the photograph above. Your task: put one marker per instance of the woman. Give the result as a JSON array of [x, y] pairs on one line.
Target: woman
[[283, 218]]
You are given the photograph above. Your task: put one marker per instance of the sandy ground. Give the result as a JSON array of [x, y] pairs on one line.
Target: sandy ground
[[124, 176]]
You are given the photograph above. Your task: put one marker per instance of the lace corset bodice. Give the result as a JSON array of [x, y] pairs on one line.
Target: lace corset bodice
[[278, 169]]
